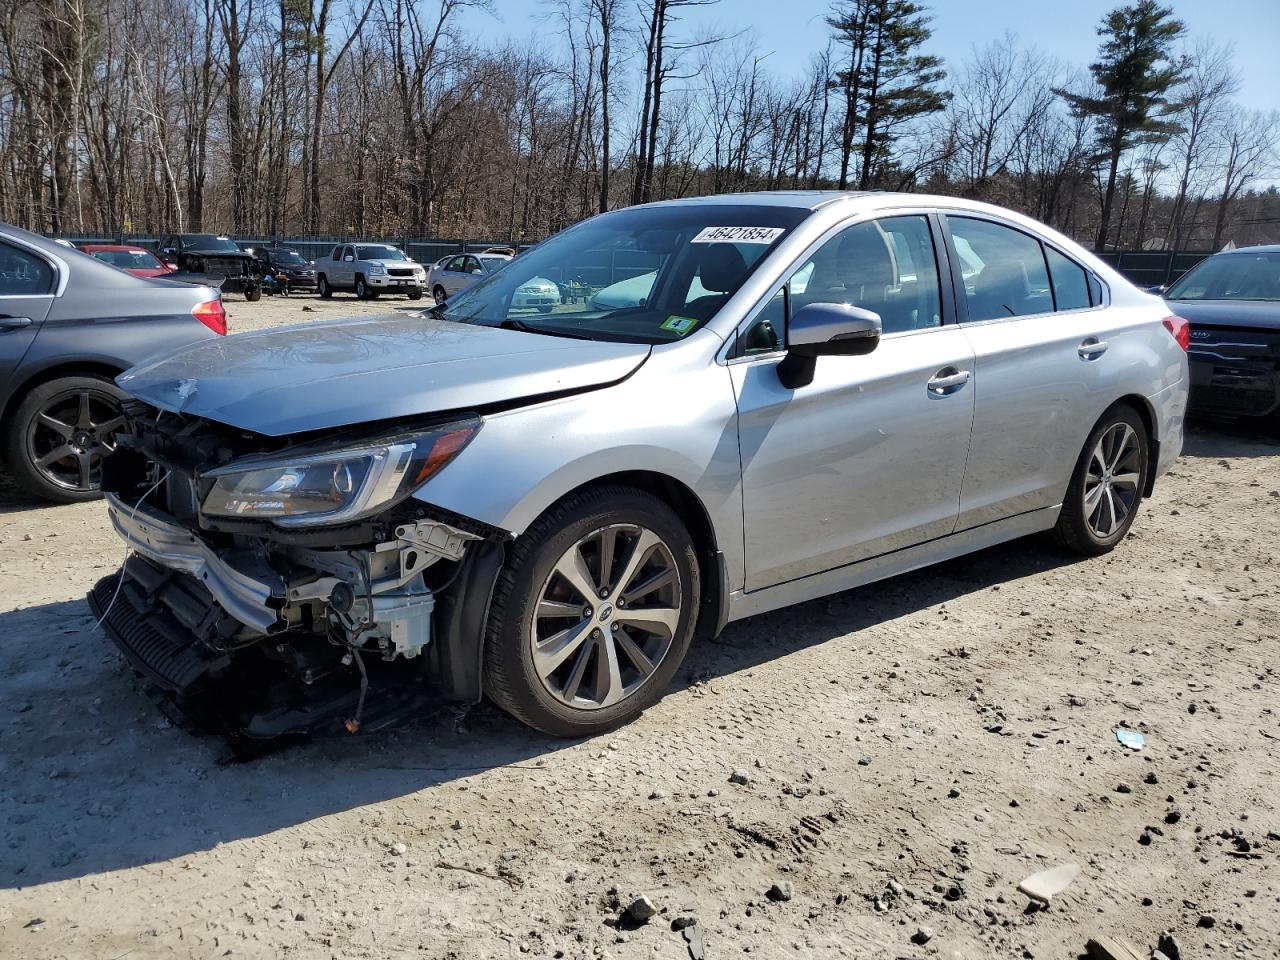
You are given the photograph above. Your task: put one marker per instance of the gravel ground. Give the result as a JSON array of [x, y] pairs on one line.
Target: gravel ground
[[911, 751]]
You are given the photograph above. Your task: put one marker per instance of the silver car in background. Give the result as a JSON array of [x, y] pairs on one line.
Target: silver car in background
[[813, 392]]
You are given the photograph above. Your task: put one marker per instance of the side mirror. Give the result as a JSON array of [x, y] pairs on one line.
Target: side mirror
[[349, 259], [169, 250], [825, 330], [1159, 289]]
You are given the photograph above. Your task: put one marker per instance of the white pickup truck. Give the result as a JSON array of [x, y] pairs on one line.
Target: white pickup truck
[[369, 269]]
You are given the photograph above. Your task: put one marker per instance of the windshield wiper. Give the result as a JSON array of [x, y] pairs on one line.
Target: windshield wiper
[[512, 324]]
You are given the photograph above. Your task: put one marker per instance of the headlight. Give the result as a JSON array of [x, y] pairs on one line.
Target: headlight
[[312, 486], [376, 268]]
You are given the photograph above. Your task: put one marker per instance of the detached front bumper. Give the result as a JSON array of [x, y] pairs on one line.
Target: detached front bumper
[[252, 600]]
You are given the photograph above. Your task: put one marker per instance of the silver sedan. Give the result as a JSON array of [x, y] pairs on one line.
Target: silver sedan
[[804, 392]]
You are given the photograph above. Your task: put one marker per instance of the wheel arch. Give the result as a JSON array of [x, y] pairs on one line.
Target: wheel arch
[[1142, 407], [63, 368], [464, 611]]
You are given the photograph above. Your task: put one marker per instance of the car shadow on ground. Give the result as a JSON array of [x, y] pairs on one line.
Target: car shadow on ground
[[96, 780]]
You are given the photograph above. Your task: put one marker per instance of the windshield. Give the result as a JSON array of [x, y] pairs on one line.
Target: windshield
[[379, 253], [643, 275], [491, 263], [1231, 276], [129, 259], [207, 241], [289, 257]]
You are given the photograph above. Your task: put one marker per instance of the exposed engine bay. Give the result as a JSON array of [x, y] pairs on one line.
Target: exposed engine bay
[[254, 629]]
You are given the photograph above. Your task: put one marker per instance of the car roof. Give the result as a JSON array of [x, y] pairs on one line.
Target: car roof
[[1260, 248], [130, 247]]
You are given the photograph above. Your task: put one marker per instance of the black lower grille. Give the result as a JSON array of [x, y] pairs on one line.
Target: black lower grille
[[1233, 400], [156, 643]]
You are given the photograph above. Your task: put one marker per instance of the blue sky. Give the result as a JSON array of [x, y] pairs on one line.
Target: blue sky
[[1064, 29]]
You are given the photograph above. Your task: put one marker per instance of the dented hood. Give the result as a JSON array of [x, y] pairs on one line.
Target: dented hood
[[324, 375]]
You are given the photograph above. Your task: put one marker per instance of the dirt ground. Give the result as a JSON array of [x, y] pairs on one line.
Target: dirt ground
[[912, 751]]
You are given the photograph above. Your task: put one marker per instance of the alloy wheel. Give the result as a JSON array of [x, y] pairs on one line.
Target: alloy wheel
[[1111, 485], [606, 616], [69, 436]]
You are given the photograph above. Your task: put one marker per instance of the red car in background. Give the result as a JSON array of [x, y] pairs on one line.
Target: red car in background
[[134, 260]]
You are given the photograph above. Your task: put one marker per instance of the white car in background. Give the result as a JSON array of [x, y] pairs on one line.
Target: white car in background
[[451, 275]]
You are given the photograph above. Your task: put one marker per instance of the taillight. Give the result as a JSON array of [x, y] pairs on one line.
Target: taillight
[[1180, 329], [213, 316]]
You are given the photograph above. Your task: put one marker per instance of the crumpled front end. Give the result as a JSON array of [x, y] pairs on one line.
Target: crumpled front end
[[259, 631]]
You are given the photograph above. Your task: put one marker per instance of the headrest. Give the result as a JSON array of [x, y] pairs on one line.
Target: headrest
[[865, 259], [720, 268]]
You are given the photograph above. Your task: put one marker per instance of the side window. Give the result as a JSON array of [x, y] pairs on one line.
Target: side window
[[472, 265], [23, 274], [336, 255], [1003, 268], [887, 266], [1070, 282]]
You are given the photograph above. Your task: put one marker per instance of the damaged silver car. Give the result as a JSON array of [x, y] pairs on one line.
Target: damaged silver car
[[333, 525]]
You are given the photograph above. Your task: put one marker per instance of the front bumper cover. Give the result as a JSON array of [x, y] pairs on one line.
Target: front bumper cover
[[250, 600]]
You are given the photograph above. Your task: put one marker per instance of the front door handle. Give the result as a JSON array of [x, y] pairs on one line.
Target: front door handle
[[947, 381], [14, 323], [1092, 348]]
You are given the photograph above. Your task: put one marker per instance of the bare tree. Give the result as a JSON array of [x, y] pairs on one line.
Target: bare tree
[[1248, 148], [1202, 101]]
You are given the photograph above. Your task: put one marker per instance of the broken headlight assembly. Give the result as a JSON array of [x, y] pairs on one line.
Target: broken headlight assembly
[[314, 485]]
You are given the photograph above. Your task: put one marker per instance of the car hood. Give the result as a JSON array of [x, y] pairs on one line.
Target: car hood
[[395, 263], [325, 375], [1260, 314]]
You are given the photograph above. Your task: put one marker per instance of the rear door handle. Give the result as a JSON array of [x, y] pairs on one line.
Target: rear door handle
[[14, 323], [1092, 349], [947, 381]]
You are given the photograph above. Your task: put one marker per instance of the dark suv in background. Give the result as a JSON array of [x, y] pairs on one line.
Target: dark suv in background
[[68, 325], [290, 270], [215, 256]]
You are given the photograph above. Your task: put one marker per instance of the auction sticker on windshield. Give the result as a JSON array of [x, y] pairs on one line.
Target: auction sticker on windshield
[[764, 235]]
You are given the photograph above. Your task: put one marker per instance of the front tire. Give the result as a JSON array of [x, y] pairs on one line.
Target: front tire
[[415, 294], [592, 613], [59, 434], [362, 289], [438, 294], [323, 288], [1107, 484]]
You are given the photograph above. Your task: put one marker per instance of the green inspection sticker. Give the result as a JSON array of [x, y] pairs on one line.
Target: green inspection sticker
[[678, 324]]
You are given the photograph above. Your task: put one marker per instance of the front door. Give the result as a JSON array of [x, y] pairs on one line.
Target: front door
[[868, 458]]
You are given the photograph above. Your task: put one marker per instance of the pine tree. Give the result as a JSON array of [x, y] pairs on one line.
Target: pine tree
[[886, 82], [1136, 69]]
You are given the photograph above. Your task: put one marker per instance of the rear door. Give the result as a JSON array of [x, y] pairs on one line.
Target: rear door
[[869, 457], [28, 281], [1046, 351]]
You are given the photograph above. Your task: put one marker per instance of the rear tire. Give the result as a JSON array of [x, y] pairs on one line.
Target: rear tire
[[1107, 484], [76, 415], [572, 664], [322, 287], [253, 294]]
